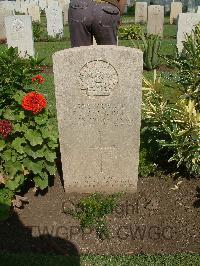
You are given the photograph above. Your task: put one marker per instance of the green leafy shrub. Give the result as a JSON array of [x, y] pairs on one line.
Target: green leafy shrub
[[28, 135], [174, 128], [150, 46], [91, 212], [37, 30], [15, 74], [6, 196], [133, 31], [187, 66], [146, 165]]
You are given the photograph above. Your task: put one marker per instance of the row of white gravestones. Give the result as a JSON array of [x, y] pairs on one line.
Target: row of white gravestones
[[155, 14], [19, 34], [141, 13], [99, 114]]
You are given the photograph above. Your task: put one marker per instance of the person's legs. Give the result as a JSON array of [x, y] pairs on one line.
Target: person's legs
[[80, 17], [106, 20]]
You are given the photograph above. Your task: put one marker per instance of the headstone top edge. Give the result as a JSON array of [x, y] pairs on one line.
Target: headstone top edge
[[97, 48]]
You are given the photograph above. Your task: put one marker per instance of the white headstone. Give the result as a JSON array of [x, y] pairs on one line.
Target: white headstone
[[54, 21], [65, 14], [52, 3], [42, 4], [140, 12], [19, 34], [24, 7], [3, 13], [198, 9], [155, 20], [186, 23], [34, 12], [99, 115], [176, 9]]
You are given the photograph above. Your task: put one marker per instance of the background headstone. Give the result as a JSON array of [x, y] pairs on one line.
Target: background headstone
[[54, 21], [52, 3], [140, 12], [19, 34], [155, 20], [98, 108], [198, 9], [176, 9], [3, 13], [191, 6], [186, 23], [34, 12], [42, 4], [65, 14]]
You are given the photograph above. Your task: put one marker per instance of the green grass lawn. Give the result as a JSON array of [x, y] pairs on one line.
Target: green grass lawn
[[90, 260]]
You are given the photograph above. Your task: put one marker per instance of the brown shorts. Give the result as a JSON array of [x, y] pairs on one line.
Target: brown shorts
[[88, 19]]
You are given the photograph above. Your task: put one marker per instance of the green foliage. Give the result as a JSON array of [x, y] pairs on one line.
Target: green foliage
[[187, 65], [37, 30], [146, 166], [28, 151], [150, 46], [91, 212], [5, 203], [175, 128], [15, 74], [133, 31]]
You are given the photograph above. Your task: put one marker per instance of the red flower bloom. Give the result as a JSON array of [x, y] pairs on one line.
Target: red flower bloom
[[5, 128], [39, 79], [34, 102]]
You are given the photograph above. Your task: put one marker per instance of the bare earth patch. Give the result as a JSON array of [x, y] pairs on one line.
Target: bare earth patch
[[162, 217]]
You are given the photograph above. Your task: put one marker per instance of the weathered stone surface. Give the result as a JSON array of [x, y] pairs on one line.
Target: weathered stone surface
[[176, 9], [19, 34], [186, 23], [34, 12], [98, 101], [3, 13], [42, 4], [54, 21], [65, 14], [140, 12], [155, 20], [52, 3]]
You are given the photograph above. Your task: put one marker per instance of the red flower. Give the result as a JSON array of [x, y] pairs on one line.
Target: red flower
[[39, 79], [34, 102], [5, 128]]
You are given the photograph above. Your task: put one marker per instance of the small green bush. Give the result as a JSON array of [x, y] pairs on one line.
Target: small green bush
[[150, 46], [91, 212], [37, 31], [174, 128], [187, 66], [133, 31], [28, 134]]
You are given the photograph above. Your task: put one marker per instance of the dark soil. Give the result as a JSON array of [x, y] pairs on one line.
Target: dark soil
[[162, 217]]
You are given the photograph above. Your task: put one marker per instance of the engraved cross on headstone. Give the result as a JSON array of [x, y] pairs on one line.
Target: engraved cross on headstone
[[102, 149]]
